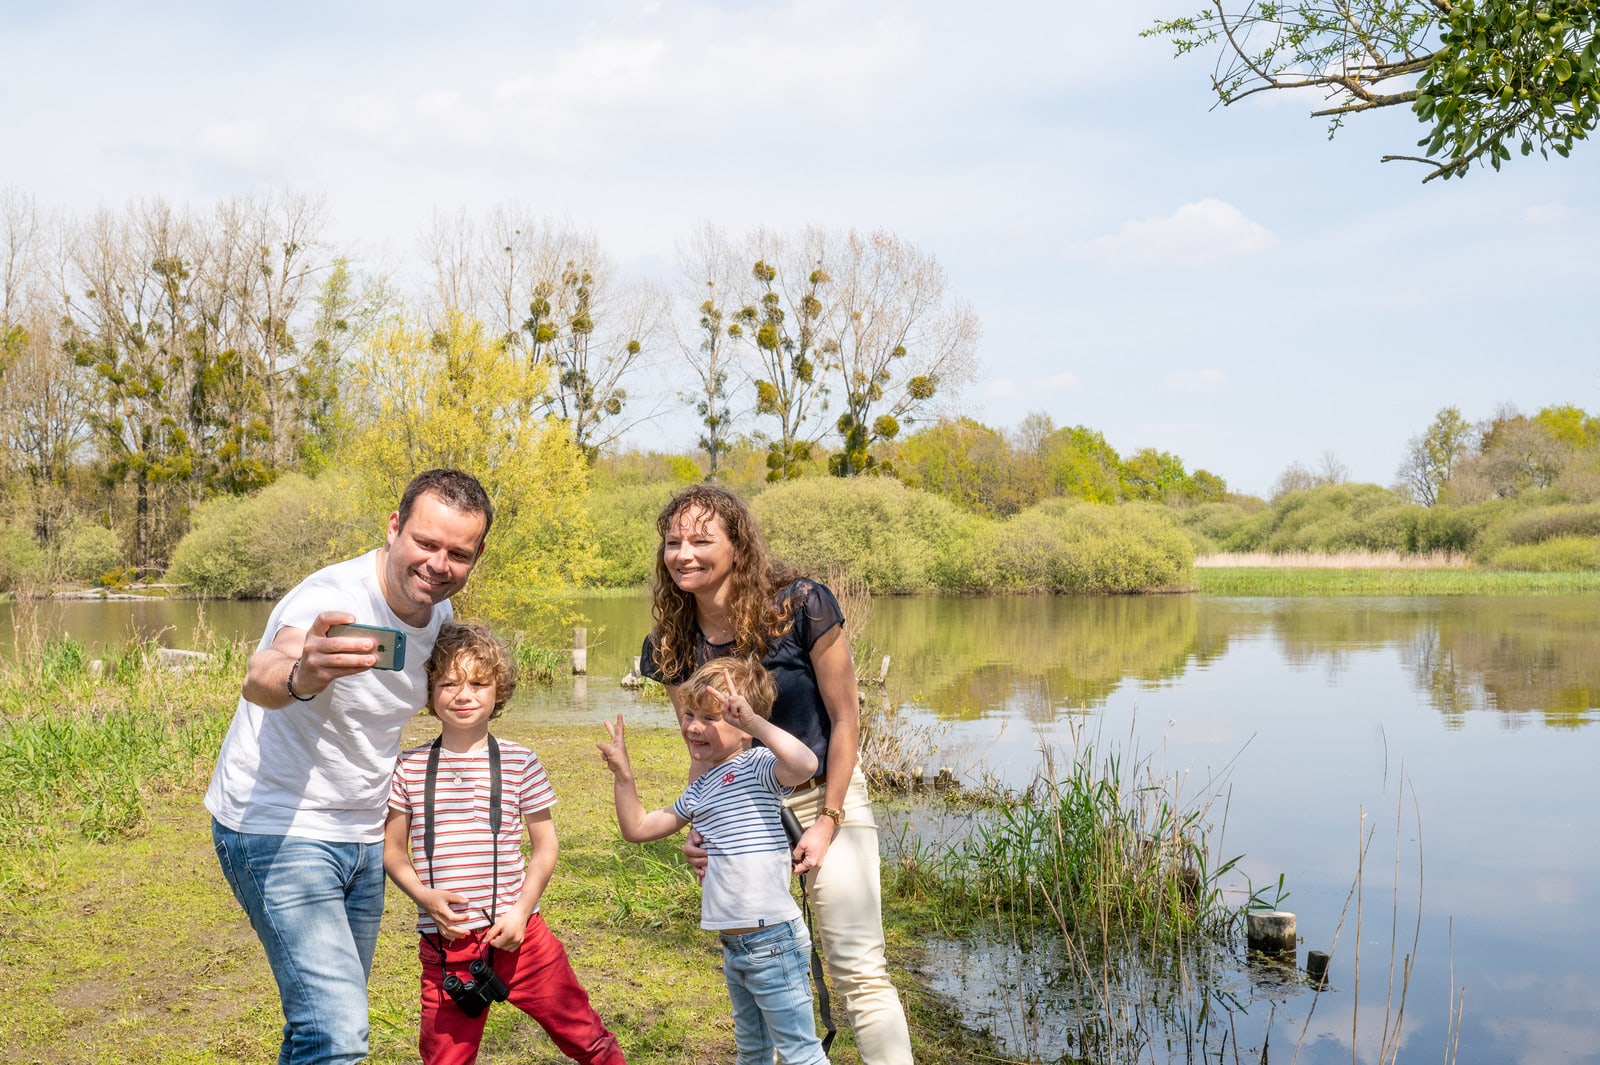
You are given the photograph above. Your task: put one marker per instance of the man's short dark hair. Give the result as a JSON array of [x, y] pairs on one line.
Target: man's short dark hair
[[455, 489]]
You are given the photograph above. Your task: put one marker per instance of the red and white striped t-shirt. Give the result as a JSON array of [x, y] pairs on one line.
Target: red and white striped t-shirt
[[462, 843]]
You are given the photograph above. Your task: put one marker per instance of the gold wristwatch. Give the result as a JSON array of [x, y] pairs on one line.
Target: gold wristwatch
[[837, 815]]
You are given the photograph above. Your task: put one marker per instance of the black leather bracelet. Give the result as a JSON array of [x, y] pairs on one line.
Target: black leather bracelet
[[289, 684]]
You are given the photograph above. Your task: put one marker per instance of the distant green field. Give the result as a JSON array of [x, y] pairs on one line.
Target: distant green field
[[1263, 580]]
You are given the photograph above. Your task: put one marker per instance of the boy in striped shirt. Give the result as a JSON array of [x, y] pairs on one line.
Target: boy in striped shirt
[[483, 939], [735, 805]]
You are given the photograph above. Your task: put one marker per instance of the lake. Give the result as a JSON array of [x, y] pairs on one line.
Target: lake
[[1457, 735]]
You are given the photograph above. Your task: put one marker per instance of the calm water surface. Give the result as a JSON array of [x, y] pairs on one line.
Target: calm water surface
[[1458, 733]]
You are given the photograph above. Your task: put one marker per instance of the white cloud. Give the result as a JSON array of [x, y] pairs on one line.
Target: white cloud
[[1008, 388], [440, 103], [1202, 382], [1196, 234], [244, 142], [1547, 214]]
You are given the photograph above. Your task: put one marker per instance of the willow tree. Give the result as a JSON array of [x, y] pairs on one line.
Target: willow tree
[[1484, 77]]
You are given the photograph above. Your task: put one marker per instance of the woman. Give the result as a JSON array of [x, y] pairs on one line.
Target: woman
[[718, 591]]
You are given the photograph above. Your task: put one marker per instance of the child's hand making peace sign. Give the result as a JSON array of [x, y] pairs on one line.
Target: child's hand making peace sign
[[735, 708]]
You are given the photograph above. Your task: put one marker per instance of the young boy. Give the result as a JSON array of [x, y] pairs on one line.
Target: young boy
[[453, 842], [745, 895]]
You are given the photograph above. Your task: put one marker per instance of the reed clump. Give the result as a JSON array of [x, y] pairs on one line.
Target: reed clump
[[1099, 850]]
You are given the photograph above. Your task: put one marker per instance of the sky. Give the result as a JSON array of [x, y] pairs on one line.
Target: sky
[[1224, 283]]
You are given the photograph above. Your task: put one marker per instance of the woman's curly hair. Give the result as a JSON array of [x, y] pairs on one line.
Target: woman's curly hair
[[472, 646], [754, 582]]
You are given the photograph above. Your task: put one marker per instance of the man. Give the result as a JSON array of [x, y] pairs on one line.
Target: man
[[301, 786]]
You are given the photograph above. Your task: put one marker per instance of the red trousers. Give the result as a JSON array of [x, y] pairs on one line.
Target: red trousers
[[542, 985]]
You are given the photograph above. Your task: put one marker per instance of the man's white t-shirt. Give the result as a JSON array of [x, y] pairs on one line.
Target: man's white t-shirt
[[320, 769]]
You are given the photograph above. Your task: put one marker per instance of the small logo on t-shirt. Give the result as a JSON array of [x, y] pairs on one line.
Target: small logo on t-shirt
[[729, 777]]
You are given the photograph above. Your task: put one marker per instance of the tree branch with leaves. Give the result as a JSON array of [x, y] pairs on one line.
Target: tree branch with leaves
[[1483, 75]]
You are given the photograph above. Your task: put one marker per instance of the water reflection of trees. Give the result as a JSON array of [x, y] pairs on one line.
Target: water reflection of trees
[[1037, 658], [1527, 656], [968, 657]]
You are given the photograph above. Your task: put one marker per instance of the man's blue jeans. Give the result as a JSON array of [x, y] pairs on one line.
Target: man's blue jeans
[[316, 908], [770, 985]]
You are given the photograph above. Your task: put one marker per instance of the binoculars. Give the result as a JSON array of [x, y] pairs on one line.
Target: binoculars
[[482, 988]]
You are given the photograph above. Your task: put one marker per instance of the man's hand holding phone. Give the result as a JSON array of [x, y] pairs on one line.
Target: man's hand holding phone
[[332, 649]]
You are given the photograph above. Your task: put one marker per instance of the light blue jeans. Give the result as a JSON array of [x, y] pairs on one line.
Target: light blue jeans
[[769, 983], [316, 908]]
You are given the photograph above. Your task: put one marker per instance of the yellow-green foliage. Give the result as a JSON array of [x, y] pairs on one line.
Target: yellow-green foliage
[[454, 396], [21, 560], [1545, 523], [1454, 529], [1065, 546], [624, 521], [1340, 517], [875, 528], [966, 462], [1216, 527], [260, 546], [1330, 518], [86, 550], [1558, 554]]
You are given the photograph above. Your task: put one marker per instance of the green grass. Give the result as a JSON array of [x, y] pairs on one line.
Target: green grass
[[1273, 581], [123, 940]]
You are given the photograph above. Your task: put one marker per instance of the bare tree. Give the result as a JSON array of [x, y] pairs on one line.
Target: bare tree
[[550, 294], [708, 267], [42, 401], [1431, 459], [450, 245], [784, 323], [900, 342], [1294, 478], [125, 326], [1331, 469], [276, 252]]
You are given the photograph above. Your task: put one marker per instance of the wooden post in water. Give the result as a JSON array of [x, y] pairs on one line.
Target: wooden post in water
[[1270, 931], [883, 671], [632, 679], [580, 651], [1317, 968]]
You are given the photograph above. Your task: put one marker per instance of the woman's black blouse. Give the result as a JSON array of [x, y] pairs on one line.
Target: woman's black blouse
[[798, 709]]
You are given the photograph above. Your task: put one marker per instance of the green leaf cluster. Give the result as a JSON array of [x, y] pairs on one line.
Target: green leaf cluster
[[1489, 75], [1509, 74]]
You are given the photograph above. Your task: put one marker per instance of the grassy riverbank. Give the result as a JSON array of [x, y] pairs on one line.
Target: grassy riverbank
[[1287, 581], [120, 934]]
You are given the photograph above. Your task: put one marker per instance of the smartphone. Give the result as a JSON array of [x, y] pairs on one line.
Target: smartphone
[[391, 649]]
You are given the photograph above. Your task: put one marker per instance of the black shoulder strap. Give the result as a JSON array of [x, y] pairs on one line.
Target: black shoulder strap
[[494, 812]]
